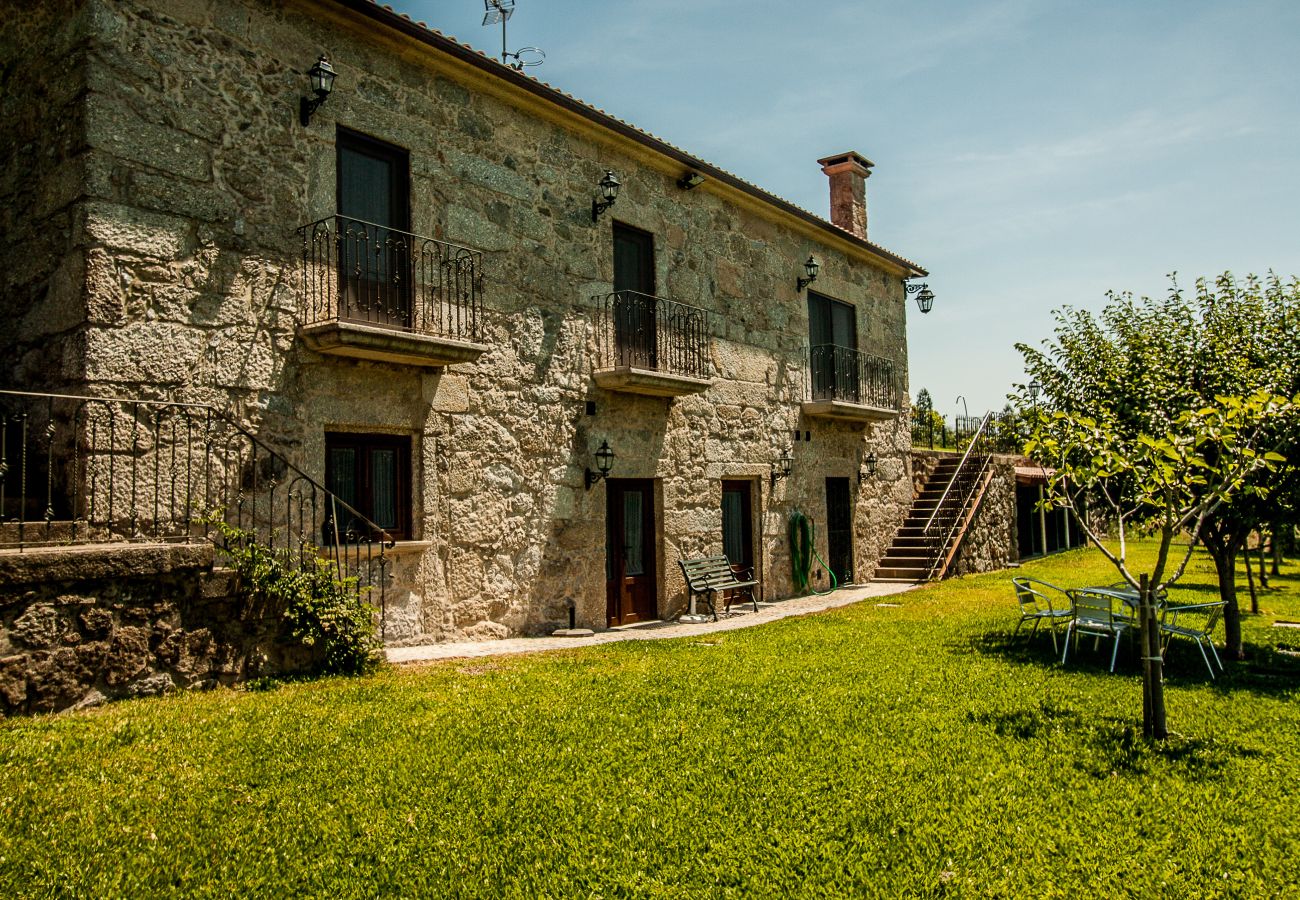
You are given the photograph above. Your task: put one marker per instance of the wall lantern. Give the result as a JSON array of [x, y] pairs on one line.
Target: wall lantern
[[321, 76], [604, 462], [925, 300], [811, 267], [781, 468], [609, 186], [869, 461], [690, 181]]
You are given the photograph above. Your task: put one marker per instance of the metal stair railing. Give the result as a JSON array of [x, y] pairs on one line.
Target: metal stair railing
[[967, 478], [78, 470]]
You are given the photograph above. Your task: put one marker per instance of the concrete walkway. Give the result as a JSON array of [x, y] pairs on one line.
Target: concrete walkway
[[649, 631]]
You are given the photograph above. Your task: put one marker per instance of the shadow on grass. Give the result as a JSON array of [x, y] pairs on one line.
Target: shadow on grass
[[1115, 745], [1266, 670]]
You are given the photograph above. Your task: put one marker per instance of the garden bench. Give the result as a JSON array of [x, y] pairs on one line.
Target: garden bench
[[709, 575]]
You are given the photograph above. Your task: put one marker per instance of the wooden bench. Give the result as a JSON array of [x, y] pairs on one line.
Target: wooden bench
[[709, 575]]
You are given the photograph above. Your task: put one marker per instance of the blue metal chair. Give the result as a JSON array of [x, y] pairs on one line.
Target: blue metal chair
[[1094, 614]]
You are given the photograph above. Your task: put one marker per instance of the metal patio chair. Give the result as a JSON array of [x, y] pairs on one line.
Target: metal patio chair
[[1035, 599], [1094, 614], [1171, 627]]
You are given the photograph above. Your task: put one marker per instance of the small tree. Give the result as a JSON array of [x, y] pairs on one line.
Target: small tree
[[1162, 484]]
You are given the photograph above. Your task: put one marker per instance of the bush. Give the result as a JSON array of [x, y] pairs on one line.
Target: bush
[[324, 612]]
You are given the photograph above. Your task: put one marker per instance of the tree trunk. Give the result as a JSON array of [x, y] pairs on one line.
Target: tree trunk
[[1223, 550], [1263, 575], [1250, 581], [1275, 533], [1154, 723]]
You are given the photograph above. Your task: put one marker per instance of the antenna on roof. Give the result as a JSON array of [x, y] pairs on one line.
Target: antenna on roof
[[495, 11]]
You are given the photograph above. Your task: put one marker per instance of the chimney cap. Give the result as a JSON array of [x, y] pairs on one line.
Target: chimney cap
[[848, 159]]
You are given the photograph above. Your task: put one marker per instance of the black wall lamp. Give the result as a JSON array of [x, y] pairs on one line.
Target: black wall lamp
[[321, 76], [812, 267], [604, 463], [925, 300], [609, 186], [781, 468], [690, 181], [869, 462]]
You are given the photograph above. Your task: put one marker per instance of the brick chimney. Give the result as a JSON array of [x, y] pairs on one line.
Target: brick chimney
[[848, 173]]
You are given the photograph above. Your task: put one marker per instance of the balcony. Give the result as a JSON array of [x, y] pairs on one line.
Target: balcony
[[848, 384], [652, 346], [372, 292]]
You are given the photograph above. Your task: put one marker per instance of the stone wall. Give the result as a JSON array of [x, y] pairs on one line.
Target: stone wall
[[43, 51], [198, 175], [78, 627]]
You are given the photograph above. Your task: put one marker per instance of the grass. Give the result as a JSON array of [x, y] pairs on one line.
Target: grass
[[917, 751]]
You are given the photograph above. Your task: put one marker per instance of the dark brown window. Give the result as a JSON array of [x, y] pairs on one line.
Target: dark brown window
[[833, 348], [374, 225], [635, 325], [372, 474]]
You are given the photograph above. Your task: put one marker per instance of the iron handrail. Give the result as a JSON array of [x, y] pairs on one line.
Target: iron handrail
[[656, 333], [955, 475]]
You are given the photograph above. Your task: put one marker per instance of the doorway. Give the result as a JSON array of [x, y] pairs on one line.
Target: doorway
[[631, 588], [839, 529], [635, 325], [738, 523]]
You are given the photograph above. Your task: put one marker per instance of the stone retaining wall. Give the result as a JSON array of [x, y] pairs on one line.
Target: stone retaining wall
[[82, 626]]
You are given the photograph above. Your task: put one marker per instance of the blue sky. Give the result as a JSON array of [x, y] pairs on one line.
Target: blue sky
[[1030, 153]]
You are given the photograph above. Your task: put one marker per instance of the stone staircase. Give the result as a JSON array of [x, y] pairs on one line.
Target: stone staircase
[[913, 557]]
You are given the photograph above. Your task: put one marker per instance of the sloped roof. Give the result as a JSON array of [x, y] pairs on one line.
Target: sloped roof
[[421, 32]]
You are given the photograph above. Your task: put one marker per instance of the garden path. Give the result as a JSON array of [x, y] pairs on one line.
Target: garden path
[[650, 631]]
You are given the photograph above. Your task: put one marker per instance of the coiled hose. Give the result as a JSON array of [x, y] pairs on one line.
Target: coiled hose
[[803, 550]]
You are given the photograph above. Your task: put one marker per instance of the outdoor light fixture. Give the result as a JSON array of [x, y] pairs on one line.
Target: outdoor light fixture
[[609, 186], [811, 267], [781, 468], [604, 462], [321, 76], [925, 301], [690, 181], [1034, 390], [870, 462]]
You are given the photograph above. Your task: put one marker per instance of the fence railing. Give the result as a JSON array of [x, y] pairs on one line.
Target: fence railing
[[1005, 433], [358, 271], [851, 376], [650, 332], [81, 470]]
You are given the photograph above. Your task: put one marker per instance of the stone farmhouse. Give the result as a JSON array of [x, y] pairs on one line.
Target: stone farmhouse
[[547, 353]]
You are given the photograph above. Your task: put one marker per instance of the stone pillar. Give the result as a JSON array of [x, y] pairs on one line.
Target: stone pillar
[[848, 173]]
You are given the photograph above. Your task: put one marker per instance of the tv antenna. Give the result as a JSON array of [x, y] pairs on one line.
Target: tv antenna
[[495, 11]]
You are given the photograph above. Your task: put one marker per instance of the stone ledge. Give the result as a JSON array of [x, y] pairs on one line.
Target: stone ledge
[[361, 341], [91, 561], [649, 382], [849, 412]]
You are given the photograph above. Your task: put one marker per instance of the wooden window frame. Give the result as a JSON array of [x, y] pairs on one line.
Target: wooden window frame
[[362, 443]]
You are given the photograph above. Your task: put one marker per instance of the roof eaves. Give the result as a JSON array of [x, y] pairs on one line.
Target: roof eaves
[[423, 33]]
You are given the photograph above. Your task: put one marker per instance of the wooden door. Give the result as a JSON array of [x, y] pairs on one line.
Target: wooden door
[[738, 524], [839, 529], [630, 564], [375, 252]]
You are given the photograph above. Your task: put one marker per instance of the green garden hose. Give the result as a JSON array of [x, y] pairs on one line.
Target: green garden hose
[[803, 551]]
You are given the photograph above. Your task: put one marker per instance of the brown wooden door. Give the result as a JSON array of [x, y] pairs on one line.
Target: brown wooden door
[[635, 323], [630, 563], [738, 524], [374, 245], [839, 529]]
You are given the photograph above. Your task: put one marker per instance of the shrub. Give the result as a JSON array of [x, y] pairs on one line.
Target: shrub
[[324, 612]]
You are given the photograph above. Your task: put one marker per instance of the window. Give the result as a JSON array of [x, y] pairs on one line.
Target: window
[[374, 250], [833, 348], [635, 328], [372, 474]]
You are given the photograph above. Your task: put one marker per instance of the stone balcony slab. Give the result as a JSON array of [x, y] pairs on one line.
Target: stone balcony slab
[[845, 411], [650, 382], [362, 341]]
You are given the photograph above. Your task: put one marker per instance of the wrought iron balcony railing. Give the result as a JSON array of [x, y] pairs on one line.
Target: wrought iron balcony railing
[[84, 470], [647, 332], [358, 271], [851, 376]]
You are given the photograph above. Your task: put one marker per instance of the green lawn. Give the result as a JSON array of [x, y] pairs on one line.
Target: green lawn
[[916, 751]]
